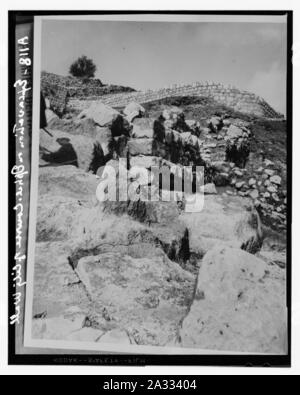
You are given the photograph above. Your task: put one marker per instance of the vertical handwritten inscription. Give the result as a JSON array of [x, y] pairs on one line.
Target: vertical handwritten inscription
[[20, 172]]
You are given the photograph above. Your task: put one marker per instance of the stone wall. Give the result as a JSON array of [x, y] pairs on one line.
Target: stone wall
[[239, 100]]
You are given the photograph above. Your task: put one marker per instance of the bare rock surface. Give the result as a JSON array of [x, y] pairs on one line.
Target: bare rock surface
[[145, 297], [239, 305], [67, 181], [141, 146], [216, 223], [115, 336]]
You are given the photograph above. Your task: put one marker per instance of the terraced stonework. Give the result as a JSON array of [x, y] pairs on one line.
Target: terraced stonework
[[242, 101]]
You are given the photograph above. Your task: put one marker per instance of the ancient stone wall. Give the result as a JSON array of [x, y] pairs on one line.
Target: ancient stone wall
[[239, 100]]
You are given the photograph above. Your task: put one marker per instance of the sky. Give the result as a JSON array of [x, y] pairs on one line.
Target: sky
[[150, 55]]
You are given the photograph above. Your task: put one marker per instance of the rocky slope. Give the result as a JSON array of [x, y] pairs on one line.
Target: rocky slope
[[157, 273]]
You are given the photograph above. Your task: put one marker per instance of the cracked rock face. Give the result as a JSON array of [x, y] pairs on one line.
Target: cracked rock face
[[102, 277], [239, 305], [143, 297]]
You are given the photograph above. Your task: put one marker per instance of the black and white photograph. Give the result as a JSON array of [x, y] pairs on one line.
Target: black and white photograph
[[150, 191], [158, 217]]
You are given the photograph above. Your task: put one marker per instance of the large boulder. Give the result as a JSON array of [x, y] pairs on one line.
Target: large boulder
[[215, 124], [141, 146], [219, 222], [146, 146], [189, 139], [50, 116], [249, 231], [118, 294], [143, 128], [133, 106], [148, 128], [104, 137], [73, 125], [133, 110], [86, 152], [234, 132], [100, 113], [172, 113], [239, 305], [150, 212], [209, 189]]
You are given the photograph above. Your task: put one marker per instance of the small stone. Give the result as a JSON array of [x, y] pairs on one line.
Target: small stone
[[240, 184], [206, 130], [252, 181], [209, 189], [238, 173], [254, 194], [268, 162], [191, 123], [210, 145], [269, 172], [276, 180], [257, 203], [267, 183], [134, 107], [275, 197], [272, 189], [132, 116]]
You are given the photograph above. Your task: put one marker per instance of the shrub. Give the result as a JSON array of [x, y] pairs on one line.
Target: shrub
[[83, 68]]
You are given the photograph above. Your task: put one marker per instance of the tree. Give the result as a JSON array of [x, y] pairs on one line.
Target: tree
[[83, 68]]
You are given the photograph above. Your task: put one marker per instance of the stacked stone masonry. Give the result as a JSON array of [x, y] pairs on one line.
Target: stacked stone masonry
[[242, 101]]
